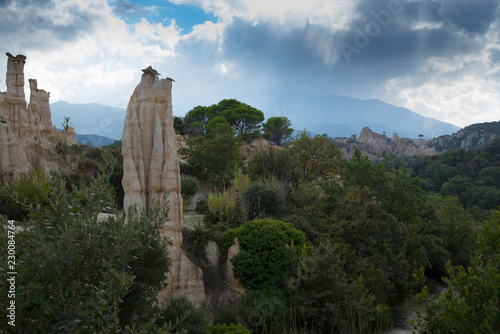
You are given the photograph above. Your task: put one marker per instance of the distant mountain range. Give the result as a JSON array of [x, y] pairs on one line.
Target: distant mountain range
[[90, 119], [340, 116], [335, 116]]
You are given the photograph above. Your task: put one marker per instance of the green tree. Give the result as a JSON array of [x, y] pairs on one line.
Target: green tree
[[273, 164], [189, 187], [244, 118], [197, 119], [216, 157], [317, 158], [332, 300], [277, 130], [262, 201], [269, 253], [471, 302], [179, 126], [189, 319], [73, 269]]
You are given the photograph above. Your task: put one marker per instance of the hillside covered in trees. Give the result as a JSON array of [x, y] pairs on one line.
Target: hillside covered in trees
[[326, 244]]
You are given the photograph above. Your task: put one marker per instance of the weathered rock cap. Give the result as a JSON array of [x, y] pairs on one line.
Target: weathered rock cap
[[151, 70], [18, 58]]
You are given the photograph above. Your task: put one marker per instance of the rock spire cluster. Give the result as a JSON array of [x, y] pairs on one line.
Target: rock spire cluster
[[27, 129], [151, 169]]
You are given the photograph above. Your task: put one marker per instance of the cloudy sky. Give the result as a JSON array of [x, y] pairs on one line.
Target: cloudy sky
[[439, 58]]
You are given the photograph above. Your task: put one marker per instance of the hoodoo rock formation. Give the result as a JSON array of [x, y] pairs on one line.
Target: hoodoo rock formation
[[151, 169], [374, 145], [27, 130]]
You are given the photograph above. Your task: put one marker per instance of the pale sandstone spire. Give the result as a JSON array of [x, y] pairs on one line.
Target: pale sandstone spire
[[27, 129], [151, 169]]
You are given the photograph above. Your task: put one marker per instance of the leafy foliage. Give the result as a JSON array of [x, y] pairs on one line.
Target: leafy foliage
[[277, 130], [216, 157], [196, 119], [271, 164], [269, 253], [31, 187], [471, 302], [189, 318], [244, 118], [317, 158], [473, 176], [189, 187], [229, 329], [262, 201], [264, 312], [332, 300], [75, 268]]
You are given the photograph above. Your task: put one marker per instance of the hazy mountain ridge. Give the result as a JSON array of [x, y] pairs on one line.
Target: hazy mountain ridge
[[340, 116], [336, 116]]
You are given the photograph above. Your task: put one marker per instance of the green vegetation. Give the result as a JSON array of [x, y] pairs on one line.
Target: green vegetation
[[326, 245], [471, 302], [214, 158], [269, 251], [277, 130], [78, 274], [472, 176], [245, 120]]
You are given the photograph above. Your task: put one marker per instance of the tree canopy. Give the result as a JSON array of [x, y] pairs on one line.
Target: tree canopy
[[277, 130]]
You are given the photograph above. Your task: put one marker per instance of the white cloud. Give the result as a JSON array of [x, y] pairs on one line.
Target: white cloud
[[461, 101], [334, 14], [96, 61]]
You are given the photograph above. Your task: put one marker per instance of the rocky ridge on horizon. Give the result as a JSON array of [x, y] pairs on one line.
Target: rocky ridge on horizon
[[375, 145]]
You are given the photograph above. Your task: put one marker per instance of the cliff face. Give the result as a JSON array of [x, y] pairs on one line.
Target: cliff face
[[151, 169], [375, 145], [469, 138], [27, 129]]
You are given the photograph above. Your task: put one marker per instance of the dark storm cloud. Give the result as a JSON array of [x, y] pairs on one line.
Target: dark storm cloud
[[374, 48], [473, 16]]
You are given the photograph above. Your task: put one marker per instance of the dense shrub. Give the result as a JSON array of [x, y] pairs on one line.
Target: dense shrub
[[31, 188], [76, 269], [330, 299], [264, 312], [189, 187], [229, 329], [470, 304], [185, 315], [201, 206], [269, 253], [262, 201]]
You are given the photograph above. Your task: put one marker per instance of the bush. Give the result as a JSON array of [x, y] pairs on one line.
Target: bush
[[470, 304], [329, 299], [189, 186], [226, 207], [269, 253], [189, 318], [31, 188], [229, 329], [201, 206], [264, 312], [262, 201], [76, 268]]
